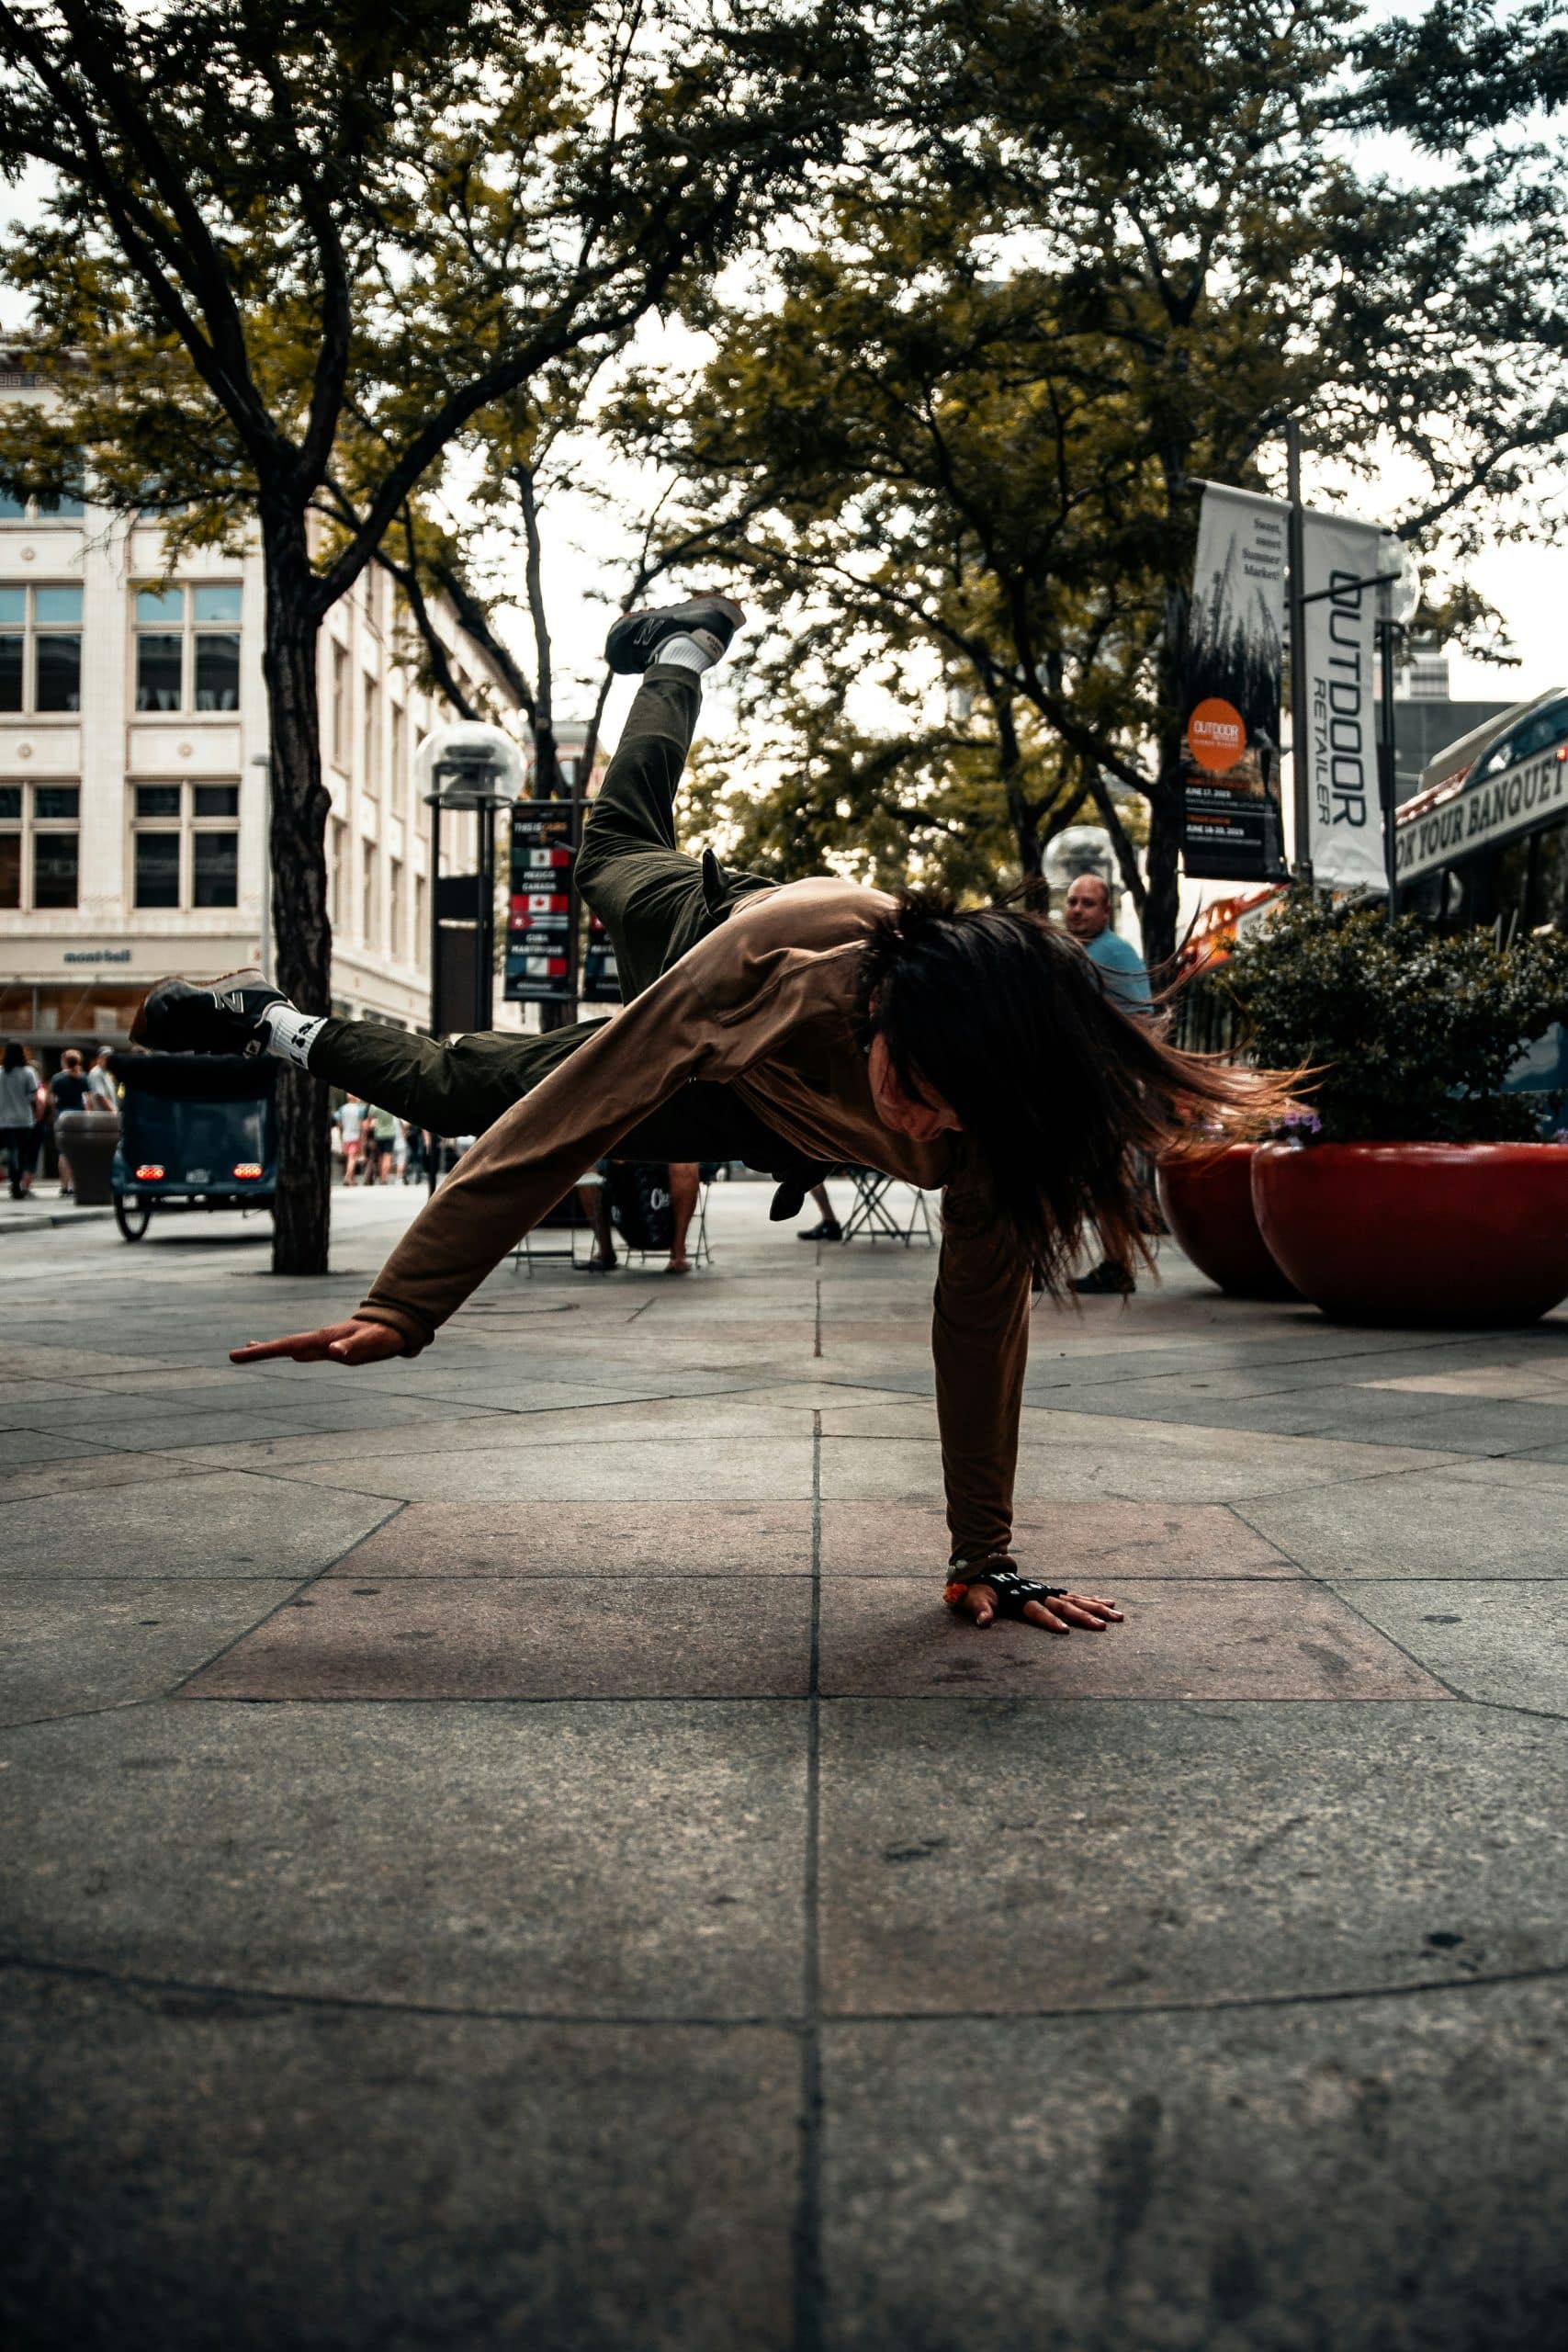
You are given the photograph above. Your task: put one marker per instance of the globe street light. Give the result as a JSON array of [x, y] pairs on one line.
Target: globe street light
[[464, 764]]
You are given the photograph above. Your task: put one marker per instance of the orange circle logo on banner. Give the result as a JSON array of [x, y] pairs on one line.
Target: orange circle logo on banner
[[1216, 736]]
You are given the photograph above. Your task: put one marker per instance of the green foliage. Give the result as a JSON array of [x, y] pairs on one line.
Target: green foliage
[[1127, 244], [1412, 1032]]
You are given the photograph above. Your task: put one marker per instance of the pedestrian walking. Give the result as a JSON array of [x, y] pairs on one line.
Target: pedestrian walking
[[103, 1092], [351, 1131], [827, 1227], [380, 1146], [67, 1091], [20, 1132], [800, 1027]]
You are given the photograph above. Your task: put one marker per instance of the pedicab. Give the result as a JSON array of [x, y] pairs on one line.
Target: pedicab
[[196, 1131]]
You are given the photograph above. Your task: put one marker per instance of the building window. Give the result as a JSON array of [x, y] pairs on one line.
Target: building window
[[335, 872], [395, 894], [188, 648], [370, 737], [54, 505], [420, 936], [370, 896], [339, 705], [41, 649], [185, 844], [40, 844], [397, 785]]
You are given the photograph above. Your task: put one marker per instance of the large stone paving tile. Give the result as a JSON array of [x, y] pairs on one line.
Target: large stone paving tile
[[32, 1450], [186, 2173], [167, 1427], [1420, 1524], [1064, 1456], [1361, 2177], [107, 1470], [221, 1525], [81, 1642], [703, 1470], [893, 1637], [22, 1401], [1537, 1383], [1056, 1541], [528, 1638], [1503, 1642], [1014, 1856], [598, 1541], [595, 1859]]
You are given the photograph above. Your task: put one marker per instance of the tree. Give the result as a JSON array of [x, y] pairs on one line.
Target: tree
[[289, 257], [861, 752], [1112, 253]]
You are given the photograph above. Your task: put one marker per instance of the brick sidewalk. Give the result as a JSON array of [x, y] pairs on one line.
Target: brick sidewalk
[[510, 1849]]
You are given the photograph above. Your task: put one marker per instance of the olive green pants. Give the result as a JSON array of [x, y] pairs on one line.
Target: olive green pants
[[654, 901]]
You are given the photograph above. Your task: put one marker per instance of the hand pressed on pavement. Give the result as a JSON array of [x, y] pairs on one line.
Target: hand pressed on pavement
[[350, 1342], [1058, 1615]]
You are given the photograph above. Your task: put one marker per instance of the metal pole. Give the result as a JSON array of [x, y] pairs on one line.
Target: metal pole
[[484, 945], [433, 1145], [1386, 759], [434, 807], [1296, 538]]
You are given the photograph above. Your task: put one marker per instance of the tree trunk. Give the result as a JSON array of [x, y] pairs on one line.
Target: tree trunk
[[302, 949], [1021, 816], [548, 782], [1160, 862], [1167, 800]]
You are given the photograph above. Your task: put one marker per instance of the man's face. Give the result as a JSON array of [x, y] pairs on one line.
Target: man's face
[[923, 1116], [1087, 911]]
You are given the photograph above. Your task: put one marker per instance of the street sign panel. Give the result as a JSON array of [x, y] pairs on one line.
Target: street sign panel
[[542, 904]]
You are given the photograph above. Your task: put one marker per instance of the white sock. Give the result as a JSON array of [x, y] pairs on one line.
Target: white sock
[[698, 651], [291, 1034]]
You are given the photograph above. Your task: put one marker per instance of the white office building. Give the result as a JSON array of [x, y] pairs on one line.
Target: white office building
[[133, 777]]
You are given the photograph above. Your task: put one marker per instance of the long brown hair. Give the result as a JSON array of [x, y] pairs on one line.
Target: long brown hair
[[1063, 1094]]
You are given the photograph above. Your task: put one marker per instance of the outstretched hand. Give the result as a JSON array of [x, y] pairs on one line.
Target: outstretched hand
[[1058, 1615], [350, 1342]]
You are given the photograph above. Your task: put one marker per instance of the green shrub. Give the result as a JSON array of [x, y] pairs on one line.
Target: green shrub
[[1412, 1032]]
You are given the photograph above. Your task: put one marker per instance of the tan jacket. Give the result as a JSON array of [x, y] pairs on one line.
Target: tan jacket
[[763, 1005]]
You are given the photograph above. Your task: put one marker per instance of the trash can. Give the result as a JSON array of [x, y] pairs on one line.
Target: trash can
[[88, 1139]]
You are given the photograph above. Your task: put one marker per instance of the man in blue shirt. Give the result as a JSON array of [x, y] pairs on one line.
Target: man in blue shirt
[[1088, 918]]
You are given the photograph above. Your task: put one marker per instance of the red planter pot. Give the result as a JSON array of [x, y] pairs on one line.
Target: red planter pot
[[1418, 1233], [1208, 1207]]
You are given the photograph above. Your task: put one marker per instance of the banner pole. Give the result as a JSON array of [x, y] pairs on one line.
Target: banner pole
[[1297, 593], [1387, 755]]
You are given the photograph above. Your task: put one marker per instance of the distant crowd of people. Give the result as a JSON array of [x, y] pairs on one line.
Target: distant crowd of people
[[378, 1149], [30, 1105]]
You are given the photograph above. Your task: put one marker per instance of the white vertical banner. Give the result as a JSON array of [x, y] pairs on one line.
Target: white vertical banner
[[1334, 724]]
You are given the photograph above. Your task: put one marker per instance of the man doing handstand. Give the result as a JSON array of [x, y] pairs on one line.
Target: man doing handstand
[[797, 1026]]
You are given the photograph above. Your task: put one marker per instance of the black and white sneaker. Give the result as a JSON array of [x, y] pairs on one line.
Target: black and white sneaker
[[633, 643], [221, 1016]]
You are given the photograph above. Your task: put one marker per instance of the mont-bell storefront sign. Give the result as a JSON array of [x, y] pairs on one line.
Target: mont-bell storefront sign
[[1230, 766]]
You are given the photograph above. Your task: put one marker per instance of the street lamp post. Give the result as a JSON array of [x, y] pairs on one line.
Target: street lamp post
[[465, 766]]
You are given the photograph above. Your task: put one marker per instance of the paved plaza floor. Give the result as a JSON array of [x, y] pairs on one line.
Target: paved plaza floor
[[509, 1850]]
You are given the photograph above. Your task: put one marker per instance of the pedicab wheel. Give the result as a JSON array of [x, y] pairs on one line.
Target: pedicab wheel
[[133, 1217]]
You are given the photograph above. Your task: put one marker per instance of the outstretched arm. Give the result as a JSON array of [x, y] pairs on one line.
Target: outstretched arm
[[980, 1345], [519, 1169]]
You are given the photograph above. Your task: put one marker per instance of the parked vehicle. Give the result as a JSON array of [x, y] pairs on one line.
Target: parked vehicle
[[196, 1132]]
